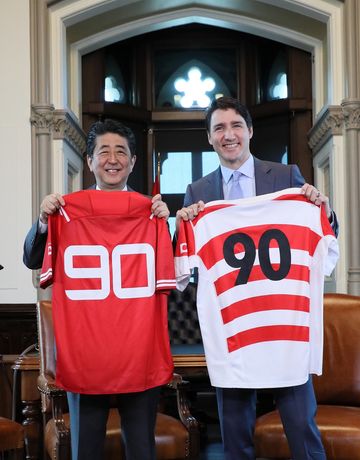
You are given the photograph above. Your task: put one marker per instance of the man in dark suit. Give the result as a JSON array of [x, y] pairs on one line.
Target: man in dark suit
[[229, 129], [111, 157]]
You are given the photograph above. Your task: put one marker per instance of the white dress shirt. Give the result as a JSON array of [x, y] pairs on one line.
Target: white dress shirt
[[247, 178]]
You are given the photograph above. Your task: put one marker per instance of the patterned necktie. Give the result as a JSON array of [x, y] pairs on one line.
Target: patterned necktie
[[235, 191]]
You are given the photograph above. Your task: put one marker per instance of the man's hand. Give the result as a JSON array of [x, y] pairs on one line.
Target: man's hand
[[159, 208], [189, 213], [50, 204], [314, 195]]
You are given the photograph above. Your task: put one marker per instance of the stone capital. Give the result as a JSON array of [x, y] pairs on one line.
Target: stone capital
[[351, 110], [330, 123], [60, 124]]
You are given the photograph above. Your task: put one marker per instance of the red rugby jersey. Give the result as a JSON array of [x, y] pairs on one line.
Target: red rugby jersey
[[111, 266]]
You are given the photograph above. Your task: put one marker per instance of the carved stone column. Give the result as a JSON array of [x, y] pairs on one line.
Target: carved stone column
[[40, 102], [41, 109], [47, 122], [351, 107], [352, 125], [344, 120]]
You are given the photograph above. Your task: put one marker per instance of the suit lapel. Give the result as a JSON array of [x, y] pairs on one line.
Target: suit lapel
[[214, 189], [264, 179]]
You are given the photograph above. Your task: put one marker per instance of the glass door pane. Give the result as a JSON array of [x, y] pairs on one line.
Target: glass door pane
[[184, 156]]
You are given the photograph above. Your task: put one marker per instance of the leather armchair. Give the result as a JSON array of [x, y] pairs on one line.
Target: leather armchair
[[11, 437], [337, 389], [176, 438]]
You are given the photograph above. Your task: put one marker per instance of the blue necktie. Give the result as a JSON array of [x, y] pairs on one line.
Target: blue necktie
[[235, 191]]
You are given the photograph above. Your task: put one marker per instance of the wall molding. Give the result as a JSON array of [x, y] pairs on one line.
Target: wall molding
[[334, 121], [61, 124], [329, 123], [351, 109]]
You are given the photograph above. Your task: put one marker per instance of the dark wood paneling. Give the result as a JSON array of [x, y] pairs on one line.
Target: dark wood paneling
[[17, 327]]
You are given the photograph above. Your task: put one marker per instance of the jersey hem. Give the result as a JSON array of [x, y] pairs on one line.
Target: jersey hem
[[126, 390]]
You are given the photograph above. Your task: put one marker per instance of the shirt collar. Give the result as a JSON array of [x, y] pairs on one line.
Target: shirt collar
[[123, 190], [247, 168]]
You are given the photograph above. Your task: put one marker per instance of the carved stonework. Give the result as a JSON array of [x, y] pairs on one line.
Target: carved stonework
[[42, 118], [352, 111], [60, 124], [66, 127], [331, 123]]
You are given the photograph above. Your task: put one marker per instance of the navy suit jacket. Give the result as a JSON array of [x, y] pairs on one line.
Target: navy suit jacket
[[269, 177]]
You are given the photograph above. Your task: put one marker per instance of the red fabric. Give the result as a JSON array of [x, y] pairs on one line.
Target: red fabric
[[261, 264], [112, 267]]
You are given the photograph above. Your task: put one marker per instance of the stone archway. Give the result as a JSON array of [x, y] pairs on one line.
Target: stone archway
[[62, 75]]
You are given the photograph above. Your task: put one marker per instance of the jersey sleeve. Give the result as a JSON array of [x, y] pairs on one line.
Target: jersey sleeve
[[48, 265], [184, 254], [331, 242], [165, 271]]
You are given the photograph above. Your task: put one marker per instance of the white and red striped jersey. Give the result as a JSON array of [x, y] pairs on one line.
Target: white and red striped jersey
[[111, 265], [261, 265]]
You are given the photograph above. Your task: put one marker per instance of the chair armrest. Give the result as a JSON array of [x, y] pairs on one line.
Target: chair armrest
[[47, 386], [188, 420], [53, 398]]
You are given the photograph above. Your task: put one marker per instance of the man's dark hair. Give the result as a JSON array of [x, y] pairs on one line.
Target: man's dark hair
[[109, 126], [225, 103]]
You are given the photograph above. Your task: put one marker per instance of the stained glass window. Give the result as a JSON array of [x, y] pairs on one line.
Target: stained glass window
[[189, 79]]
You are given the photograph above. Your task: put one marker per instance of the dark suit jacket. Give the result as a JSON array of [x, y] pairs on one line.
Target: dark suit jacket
[[269, 177], [35, 242]]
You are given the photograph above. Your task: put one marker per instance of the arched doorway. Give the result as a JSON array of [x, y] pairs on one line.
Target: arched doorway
[[149, 81]]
